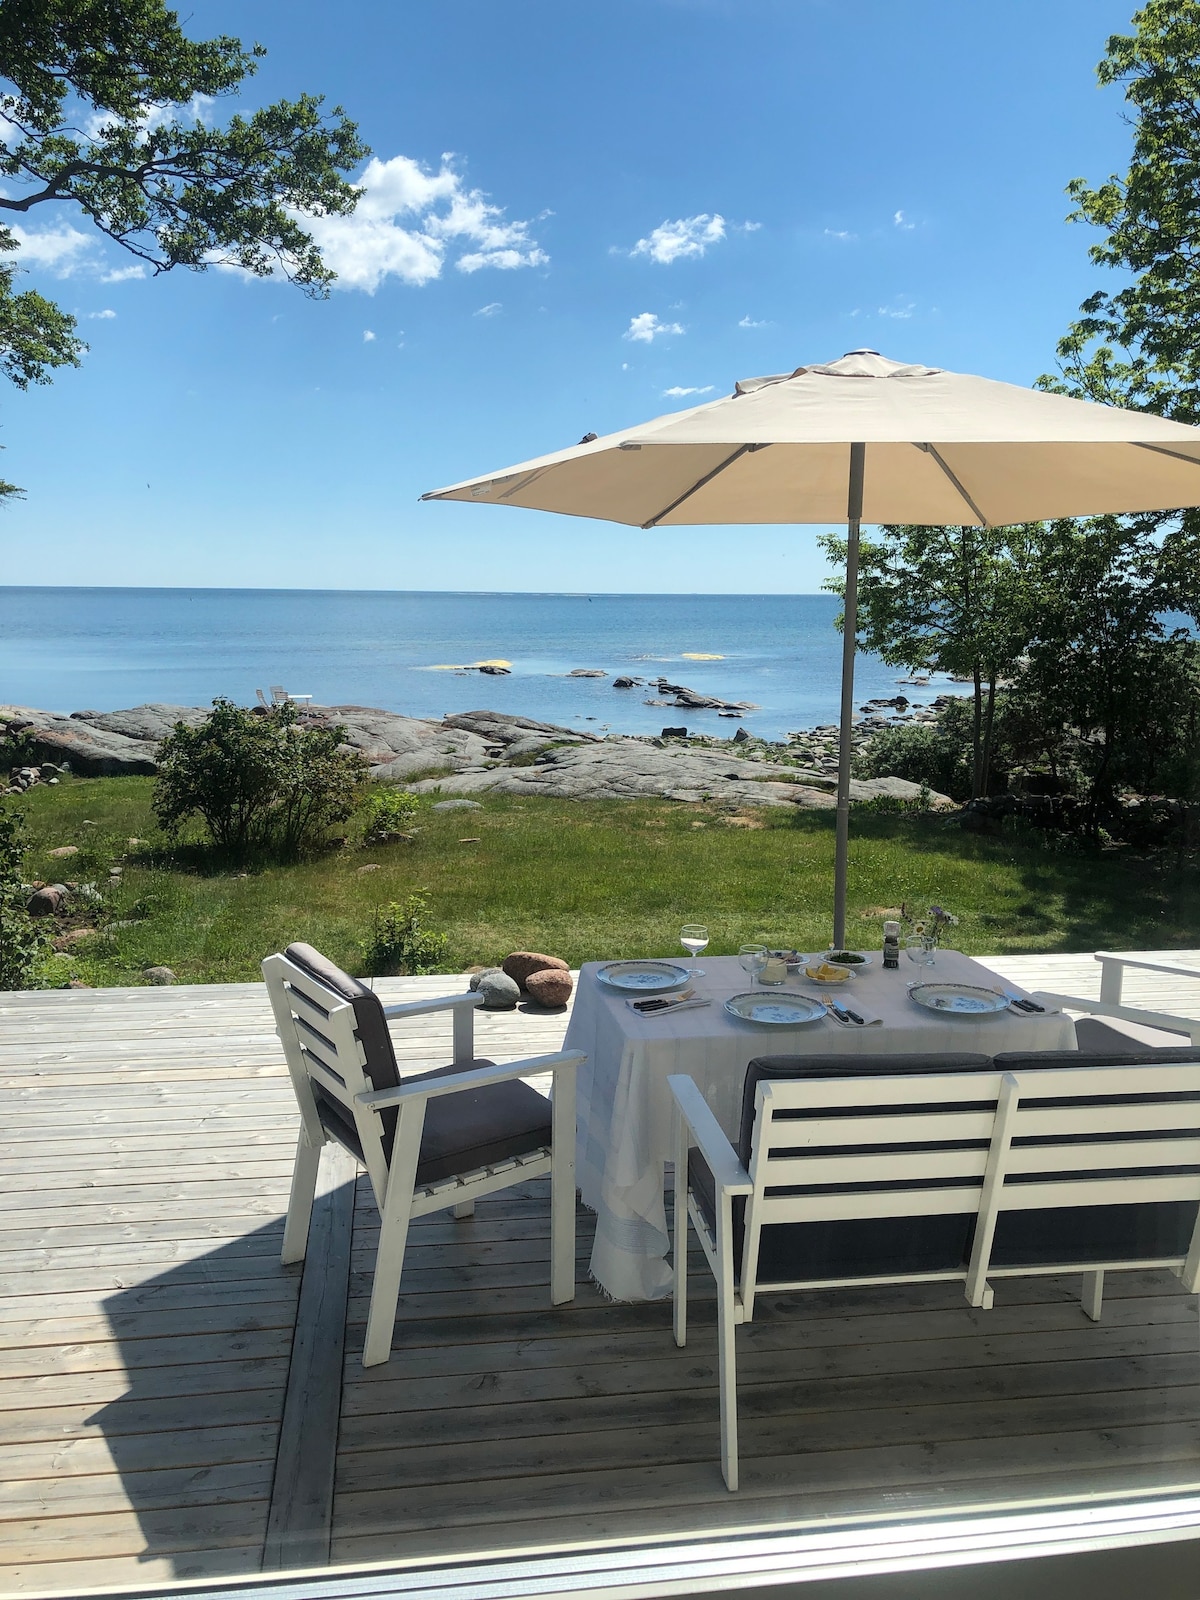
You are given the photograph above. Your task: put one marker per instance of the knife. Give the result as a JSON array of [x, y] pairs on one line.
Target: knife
[[1022, 1003], [845, 1013]]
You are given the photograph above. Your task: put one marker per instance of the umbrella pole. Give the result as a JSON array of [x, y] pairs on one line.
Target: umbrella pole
[[841, 856]]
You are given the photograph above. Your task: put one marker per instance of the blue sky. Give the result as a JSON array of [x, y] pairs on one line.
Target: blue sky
[[746, 184]]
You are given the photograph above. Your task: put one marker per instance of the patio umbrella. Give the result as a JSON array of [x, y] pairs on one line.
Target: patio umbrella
[[862, 439]]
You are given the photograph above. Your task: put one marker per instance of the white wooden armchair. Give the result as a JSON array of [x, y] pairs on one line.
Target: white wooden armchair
[[962, 1172], [436, 1141]]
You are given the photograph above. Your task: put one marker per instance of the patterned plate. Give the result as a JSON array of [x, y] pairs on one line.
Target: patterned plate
[[643, 977], [775, 1011], [959, 999]]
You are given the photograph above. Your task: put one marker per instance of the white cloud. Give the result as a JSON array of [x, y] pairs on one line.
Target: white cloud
[[197, 109], [678, 392], [101, 316], [749, 322], [123, 274], [490, 310], [368, 336], [749, 227], [839, 233], [59, 249], [408, 220], [900, 221], [645, 328], [902, 310], [686, 236]]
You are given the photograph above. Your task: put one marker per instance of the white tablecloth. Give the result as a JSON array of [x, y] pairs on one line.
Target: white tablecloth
[[625, 1116]]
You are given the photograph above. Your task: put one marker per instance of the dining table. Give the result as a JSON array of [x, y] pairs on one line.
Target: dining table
[[625, 1111]]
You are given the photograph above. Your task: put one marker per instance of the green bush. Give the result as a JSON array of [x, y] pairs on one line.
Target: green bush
[[23, 945], [401, 944], [922, 753], [257, 782], [388, 813]]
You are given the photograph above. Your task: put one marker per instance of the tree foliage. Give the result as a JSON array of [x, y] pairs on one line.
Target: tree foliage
[[23, 945], [257, 782], [107, 106], [1137, 346], [951, 600]]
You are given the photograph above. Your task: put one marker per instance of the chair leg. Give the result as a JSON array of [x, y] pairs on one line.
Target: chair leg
[[679, 1266], [1093, 1294], [562, 1232], [300, 1201], [466, 1209], [726, 1355], [389, 1265]]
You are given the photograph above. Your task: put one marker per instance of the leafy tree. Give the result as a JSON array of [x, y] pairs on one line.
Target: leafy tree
[[257, 781], [1108, 680], [23, 945], [106, 107], [1137, 346], [951, 599]]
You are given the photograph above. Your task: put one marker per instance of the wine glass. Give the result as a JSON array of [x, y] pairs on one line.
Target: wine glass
[[753, 958], [694, 939]]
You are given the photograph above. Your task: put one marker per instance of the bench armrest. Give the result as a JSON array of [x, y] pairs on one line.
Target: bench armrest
[[473, 1078], [709, 1137]]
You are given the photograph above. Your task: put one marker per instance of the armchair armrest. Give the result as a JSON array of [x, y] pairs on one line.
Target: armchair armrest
[[1102, 1008], [709, 1136], [418, 1008], [472, 1078]]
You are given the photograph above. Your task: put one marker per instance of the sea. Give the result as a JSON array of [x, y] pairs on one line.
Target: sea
[[74, 649]]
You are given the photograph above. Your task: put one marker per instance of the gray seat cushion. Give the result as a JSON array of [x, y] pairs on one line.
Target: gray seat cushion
[[472, 1128]]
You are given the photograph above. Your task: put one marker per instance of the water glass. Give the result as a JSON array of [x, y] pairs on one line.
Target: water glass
[[753, 958], [920, 949], [694, 939]]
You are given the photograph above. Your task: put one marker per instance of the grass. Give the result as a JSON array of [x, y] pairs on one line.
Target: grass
[[585, 881]]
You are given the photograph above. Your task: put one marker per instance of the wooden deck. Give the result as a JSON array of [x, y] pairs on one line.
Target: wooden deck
[[147, 1331]]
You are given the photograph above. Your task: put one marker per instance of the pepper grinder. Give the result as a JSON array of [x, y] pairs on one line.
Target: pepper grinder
[[891, 944]]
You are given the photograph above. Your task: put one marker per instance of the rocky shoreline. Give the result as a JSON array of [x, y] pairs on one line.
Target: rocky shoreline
[[479, 752]]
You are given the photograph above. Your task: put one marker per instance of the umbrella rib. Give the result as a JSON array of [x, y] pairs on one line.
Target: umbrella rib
[[930, 450], [707, 478], [1161, 450]]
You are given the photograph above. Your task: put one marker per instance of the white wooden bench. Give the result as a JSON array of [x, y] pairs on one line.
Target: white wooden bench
[[979, 1146]]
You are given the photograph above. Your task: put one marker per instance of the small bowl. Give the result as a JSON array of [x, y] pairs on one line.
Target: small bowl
[[816, 967]]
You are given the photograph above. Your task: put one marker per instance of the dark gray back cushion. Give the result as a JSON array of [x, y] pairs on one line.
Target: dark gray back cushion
[[369, 1021]]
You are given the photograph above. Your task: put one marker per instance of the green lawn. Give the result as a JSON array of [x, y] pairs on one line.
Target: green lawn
[[588, 880]]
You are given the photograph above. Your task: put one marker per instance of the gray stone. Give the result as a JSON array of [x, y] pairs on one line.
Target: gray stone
[[396, 746], [158, 975], [48, 901], [499, 991], [483, 972], [623, 769], [586, 672], [673, 733], [456, 805], [496, 727], [741, 736]]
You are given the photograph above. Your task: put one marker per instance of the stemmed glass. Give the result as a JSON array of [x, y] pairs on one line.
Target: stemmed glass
[[694, 939], [753, 958]]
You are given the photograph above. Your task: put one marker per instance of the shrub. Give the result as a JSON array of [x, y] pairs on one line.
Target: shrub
[[23, 945], [401, 944], [923, 754], [388, 813], [257, 782]]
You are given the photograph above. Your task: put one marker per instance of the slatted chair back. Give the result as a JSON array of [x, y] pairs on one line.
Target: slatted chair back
[[854, 1148], [327, 1062], [980, 1144]]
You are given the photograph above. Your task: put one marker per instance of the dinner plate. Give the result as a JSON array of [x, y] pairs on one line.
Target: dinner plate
[[959, 999], [775, 1011], [643, 977]]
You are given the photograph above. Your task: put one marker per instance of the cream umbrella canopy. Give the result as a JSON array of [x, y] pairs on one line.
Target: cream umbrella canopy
[[862, 439]]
